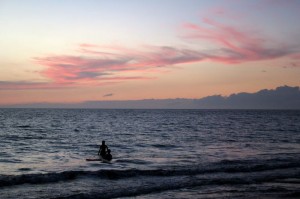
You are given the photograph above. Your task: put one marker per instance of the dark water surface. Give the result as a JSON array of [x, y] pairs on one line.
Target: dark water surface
[[156, 153]]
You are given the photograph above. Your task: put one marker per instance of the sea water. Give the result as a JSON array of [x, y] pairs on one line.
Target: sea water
[[156, 153]]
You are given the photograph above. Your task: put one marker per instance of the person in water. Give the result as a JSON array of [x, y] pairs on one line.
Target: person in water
[[108, 156], [102, 150]]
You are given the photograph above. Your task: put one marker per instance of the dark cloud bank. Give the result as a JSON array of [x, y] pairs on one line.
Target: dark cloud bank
[[284, 97]]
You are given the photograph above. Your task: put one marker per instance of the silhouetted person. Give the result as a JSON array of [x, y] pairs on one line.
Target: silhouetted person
[[102, 150], [108, 156]]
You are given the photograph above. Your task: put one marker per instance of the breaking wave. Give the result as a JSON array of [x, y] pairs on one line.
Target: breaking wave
[[225, 166]]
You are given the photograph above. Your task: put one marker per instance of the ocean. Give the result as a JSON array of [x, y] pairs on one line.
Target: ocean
[[156, 153]]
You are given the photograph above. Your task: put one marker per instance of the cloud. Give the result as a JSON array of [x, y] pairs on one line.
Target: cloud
[[283, 97], [72, 69], [108, 95], [113, 64], [296, 56], [86, 45], [20, 85], [117, 64], [234, 45], [101, 65]]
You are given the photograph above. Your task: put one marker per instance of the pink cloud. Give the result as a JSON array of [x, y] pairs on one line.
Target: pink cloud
[[71, 69], [86, 45], [117, 65], [102, 65], [222, 12], [296, 56], [233, 44], [98, 64]]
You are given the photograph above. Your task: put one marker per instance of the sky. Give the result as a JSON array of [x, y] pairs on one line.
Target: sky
[[68, 51]]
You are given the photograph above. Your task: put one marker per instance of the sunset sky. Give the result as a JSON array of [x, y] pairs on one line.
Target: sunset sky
[[76, 50]]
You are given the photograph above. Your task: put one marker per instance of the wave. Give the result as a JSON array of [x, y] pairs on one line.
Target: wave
[[225, 166], [134, 190], [23, 126], [149, 185]]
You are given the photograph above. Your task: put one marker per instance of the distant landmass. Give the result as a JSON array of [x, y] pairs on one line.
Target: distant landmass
[[283, 97]]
